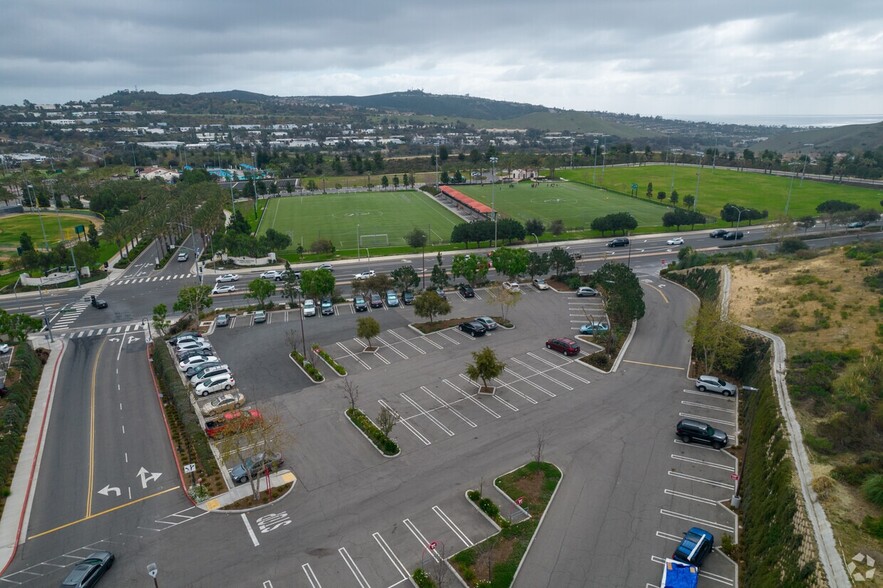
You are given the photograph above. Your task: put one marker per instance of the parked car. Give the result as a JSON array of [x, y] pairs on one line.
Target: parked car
[[257, 465], [196, 369], [97, 302], [408, 298], [489, 323], [466, 291], [196, 360], [696, 544], [222, 320], [441, 292], [592, 328], [192, 346], [584, 291], [364, 275], [215, 384], [359, 304], [183, 335], [325, 266], [715, 384], [376, 300], [512, 286], [223, 288], [327, 307], [209, 372], [718, 233], [540, 284], [391, 298], [691, 430], [618, 242], [676, 241], [565, 346], [223, 403], [732, 235], [260, 316], [193, 353], [183, 256], [227, 278], [237, 420], [474, 328], [190, 339], [273, 275], [309, 307], [88, 572], [4, 348]]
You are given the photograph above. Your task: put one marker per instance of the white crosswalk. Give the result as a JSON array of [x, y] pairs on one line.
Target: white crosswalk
[[105, 331], [125, 281]]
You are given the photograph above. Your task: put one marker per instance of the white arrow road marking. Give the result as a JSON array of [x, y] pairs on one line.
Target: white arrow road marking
[[133, 339], [147, 476], [108, 489]]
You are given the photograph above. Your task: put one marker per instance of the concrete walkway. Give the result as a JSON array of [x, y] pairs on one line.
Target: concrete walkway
[[277, 479]]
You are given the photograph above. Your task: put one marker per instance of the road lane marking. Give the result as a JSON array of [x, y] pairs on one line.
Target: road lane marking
[[659, 365], [311, 577], [396, 563], [254, 538], [91, 481], [448, 406], [425, 413], [560, 368], [357, 573], [405, 422], [664, 298], [473, 399], [452, 526], [420, 539]]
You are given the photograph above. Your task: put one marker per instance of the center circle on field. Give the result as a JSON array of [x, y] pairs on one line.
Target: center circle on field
[[552, 200], [360, 213]]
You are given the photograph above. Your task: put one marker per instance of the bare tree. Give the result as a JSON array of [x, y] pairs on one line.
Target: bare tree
[[351, 392], [386, 420], [541, 443]]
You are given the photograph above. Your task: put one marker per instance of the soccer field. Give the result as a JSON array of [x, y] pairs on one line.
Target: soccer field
[[575, 204], [380, 219]]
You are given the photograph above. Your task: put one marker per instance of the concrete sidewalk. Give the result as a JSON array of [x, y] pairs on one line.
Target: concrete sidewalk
[[277, 479]]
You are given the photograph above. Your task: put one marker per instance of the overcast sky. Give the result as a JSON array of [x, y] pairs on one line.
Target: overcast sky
[[649, 57]]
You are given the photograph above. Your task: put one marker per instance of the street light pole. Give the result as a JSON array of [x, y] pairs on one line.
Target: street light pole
[[698, 174], [493, 195], [537, 238], [34, 201], [61, 237], [358, 242], [595, 165]]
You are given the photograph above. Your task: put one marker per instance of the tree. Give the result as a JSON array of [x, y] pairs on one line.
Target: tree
[[379, 283], [92, 235], [429, 304], [681, 216], [273, 240], [560, 261], [193, 299], [506, 298], [17, 326], [557, 227], [317, 283], [625, 298], [439, 277], [674, 198], [719, 342], [535, 226], [649, 189], [351, 392], [384, 182], [485, 367], [473, 268], [367, 328], [689, 200], [260, 290], [290, 284], [806, 222], [386, 420], [322, 246], [834, 206], [25, 242], [160, 322], [537, 265], [417, 238], [510, 262], [405, 278], [510, 229]]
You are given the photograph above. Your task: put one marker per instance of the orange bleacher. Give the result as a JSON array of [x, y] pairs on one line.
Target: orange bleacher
[[466, 200]]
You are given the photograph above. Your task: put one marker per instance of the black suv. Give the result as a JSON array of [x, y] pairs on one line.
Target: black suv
[[408, 297], [466, 291], [376, 300], [359, 304], [618, 242], [718, 233], [689, 430], [732, 235]]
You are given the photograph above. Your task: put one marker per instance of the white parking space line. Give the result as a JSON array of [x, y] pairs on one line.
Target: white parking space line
[[392, 348], [707, 406], [248, 528], [706, 481], [405, 422], [453, 410], [692, 497], [515, 390], [703, 394], [703, 522], [420, 539], [422, 411], [311, 577], [443, 336], [453, 527], [471, 397], [560, 368], [406, 342], [396, 563], [702, 574], [541, 373], [354, 356], [688, 415], [431, 342], [353, 568], [508, 405], [702, 462]]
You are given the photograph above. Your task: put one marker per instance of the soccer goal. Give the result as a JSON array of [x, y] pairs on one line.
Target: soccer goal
[[378, 240]]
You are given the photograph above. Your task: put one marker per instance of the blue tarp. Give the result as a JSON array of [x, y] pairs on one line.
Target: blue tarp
[[679, 575]]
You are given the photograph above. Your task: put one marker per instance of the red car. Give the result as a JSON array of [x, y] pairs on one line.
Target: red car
[[565, 346], [232, 422]]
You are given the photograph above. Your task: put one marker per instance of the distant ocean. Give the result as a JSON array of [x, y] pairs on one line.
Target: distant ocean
[[791, 120]]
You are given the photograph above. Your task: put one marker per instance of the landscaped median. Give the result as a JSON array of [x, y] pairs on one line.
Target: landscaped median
[[339, 369], [381, 440], [432, 327], [309, 369]]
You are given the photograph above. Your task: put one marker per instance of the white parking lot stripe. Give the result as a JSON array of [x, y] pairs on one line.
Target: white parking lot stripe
[[710, 464], [396, 563], [515, 390], [431, 342], [406, 342], [420, 539], [353, 568], [354, 356], [248, 528], [405, 422], [703, 522], [473, 399], [541, 373], [687, 415], [453, 527], [706, 481], [685, 496], [560, 368], [453, 410], [707, 406], [392, 348], [451, 339], [438, 423], [311, 577], [521, 378]]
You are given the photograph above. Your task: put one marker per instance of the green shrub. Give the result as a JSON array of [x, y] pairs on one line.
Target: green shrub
[[489, 508], [422, 579], [311, 370], [855, 474], [874, 526], [381, 441], [818, 444], [329, 360], [873, 489]]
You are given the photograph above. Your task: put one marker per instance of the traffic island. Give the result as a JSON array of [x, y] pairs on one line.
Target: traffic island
[[311, 371], [381, 441]]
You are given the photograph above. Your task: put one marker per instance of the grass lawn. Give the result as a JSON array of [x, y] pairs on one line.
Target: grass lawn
[[12, 226], [340, 217], [575, 204], [721, 186]]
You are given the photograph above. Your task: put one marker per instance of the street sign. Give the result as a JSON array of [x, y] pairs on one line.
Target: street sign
[[519, 500], [151, 570], [734, 476], [189, 468]]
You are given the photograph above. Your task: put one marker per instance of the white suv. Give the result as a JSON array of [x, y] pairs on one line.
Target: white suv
[[715, 384], [215, 384], [309, 307]]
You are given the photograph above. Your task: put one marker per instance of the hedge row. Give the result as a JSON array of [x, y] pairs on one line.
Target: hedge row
[[26, 366], [383, 443], [312, 370], [488, 507], [133, 253], [422, 579], [329, 360]]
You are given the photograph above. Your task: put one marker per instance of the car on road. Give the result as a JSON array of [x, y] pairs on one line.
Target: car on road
[[223, 403], [466, 291], [441, 292], [209, 372], [223, 288], [595, 327], [575, 255], [365, 275], [203, 367], [4, 348], [260, 316], [376, 300], [215, 384], [89, 571], [309, 307], [474, 328], [183, 256], [856, 225], [732, 235], [489, 323], [676, 241], [227, 278], [325, 266], [97, 302], [584, 291], [718, 233], [327, 307], [540, 284], [689, 430], [563, 345], [618, 242], [257, 465], [273, 275], [391, 298], [196, 360], [408, 298], [512, 286], [715, 384], [237, 420], [222, 320], [696, 544], [359, 304]]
